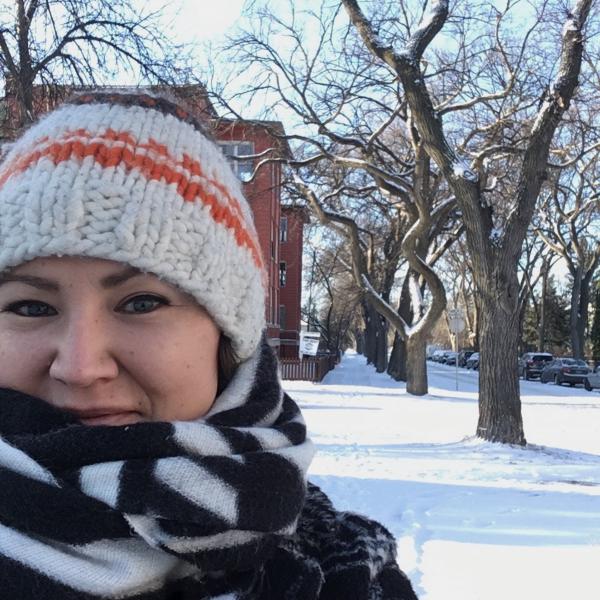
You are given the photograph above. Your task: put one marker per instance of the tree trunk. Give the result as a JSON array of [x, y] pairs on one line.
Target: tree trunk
[[522, 310], [595, 333], [371, 319], [359, 338], [397, 365], [500, 417], [416, 371], [375, 338], [474, 339], [576, 329], [584, 307], [543, 308], [381, 347]]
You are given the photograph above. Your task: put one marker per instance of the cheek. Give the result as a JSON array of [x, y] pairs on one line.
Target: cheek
[[23, 361], [179, 375]]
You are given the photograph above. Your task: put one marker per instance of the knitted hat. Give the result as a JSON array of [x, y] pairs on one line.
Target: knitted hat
[[132, 178]]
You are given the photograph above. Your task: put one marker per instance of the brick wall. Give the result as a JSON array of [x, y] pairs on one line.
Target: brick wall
[[264, 196], [291, 294]]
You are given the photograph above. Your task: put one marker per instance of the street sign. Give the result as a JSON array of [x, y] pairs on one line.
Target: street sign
[[309, 342], [456, 320]]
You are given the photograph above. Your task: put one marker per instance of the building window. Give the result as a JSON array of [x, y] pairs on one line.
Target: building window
[[242, 168], [272, 240], [282, 316], [283, 229], [282, 274], [272, 320]]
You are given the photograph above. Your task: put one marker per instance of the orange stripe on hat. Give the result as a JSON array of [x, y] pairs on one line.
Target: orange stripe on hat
[[72, 146], [188, 163]]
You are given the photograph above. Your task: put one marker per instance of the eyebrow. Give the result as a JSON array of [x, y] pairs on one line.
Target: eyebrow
[[49, 285]]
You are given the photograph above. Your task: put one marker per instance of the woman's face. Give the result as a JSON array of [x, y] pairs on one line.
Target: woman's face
[[106, 342]]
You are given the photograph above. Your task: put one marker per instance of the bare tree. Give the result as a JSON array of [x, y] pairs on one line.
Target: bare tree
[[567, 222], [410, 241], [81, 42], [507, 125], [354, 126], [458, 279], [534, 268], [353, 215], [337, 316], [438, 245]]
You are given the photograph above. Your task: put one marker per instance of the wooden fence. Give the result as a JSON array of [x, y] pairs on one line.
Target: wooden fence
[[307, 369]]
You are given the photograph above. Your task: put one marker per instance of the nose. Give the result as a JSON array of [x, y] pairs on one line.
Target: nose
[[83, 354]]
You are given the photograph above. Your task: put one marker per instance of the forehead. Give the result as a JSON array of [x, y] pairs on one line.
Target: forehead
[[57, 271], [73, 266]]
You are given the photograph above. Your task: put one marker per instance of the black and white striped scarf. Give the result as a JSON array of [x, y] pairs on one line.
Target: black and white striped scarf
[[184, 510]]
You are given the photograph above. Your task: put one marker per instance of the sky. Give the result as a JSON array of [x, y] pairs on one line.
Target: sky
[[197, 20]]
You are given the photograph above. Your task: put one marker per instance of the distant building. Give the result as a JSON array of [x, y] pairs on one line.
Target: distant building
[[280, 229]]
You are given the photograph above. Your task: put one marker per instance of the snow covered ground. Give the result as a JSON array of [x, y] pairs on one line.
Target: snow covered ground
[[473, 520]]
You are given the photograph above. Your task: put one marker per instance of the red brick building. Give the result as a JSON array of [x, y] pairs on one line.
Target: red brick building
[[263, 192], [291, 242], [279, 230]]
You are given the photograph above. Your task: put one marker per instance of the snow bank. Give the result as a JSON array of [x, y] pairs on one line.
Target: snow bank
[[473, 520]]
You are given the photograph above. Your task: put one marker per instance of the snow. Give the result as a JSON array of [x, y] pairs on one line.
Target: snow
[[416, 298], [462, 171], [570, 26], [473, 520], [437, 6], [496, 236]]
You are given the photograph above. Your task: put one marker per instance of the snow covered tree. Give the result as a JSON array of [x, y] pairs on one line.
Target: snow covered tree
[[506, 103]]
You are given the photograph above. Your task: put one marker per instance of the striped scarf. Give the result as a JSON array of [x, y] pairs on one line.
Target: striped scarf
[[151, 510], [216, 509]]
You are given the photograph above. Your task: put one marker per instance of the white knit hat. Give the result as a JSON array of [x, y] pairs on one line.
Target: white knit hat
[[132, 178]]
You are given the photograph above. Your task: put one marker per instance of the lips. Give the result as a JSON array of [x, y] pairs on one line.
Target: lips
[[113, 417]]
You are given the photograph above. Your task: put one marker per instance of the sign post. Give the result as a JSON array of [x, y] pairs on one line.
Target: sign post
[[456, 323]]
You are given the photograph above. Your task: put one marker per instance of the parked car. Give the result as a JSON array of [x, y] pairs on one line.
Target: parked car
[[531, 364], [431, 350], [447, 354], [450, 358], [463, 355], [437, 355], [473, 361], [442, 356], [592, 381], [565, 370]]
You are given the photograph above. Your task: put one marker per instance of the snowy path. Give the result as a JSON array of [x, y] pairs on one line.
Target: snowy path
[[474, 521]]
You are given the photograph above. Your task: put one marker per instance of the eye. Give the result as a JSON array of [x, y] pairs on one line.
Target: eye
[[144, 303], [31, 308]]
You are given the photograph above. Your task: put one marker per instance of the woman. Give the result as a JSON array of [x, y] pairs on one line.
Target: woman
[[147, 450]]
